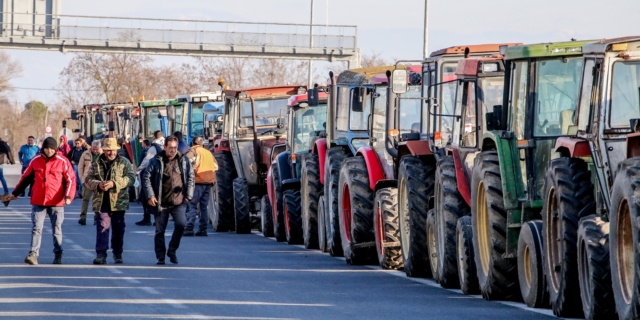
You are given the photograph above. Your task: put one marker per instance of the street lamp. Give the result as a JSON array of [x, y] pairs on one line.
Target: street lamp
[[425, 46], [310, 84]]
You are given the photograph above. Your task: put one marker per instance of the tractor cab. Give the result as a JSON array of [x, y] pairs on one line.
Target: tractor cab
[[307, 118], [154, 117], [194, 113]]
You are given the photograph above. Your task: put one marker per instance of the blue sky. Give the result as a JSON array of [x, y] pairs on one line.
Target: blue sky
[[393, 28]]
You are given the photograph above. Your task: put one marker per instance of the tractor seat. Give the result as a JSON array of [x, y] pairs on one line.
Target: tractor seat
[[415, 127]]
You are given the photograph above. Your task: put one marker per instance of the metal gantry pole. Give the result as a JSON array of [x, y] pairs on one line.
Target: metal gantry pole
[[310, 82], [425, 47]]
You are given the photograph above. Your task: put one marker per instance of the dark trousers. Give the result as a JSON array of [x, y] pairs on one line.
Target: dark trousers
[[162, 219], [30, 184], [113, 221], [200, 199]]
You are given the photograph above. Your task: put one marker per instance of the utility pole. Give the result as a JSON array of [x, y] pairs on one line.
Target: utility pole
[[310, 84], [425, 47]]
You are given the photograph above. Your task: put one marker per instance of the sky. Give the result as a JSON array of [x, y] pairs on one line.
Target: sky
[[391, 28]]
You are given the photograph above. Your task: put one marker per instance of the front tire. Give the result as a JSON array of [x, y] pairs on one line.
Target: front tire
[[266, 217], [279, 231], [223, 219], [467, 271], [241, 206], [533, 285], [322, 226], [331, 178], [311, 189], [292, 216], [386, 231]]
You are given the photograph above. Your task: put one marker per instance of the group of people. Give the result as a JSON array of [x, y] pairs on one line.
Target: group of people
[[173, 184]]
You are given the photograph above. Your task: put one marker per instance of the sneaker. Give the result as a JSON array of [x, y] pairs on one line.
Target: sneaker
[[202, 233], [117, 257], [160, 261], [58, 258], [100, 260], [173, 258], [187, 233], [82, 221], [143, 222], [31, 259]]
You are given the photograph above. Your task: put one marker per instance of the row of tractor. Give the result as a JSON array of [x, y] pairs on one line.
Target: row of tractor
[[506, 170]]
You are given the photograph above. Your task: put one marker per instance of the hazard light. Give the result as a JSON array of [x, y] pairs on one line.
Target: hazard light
[[394, 133], [293, 158], [619, 47], [489, 67]]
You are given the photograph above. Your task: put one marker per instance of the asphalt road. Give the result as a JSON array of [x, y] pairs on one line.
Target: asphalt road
[[223, 276]]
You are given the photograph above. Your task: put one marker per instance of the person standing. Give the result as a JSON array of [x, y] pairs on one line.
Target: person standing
[[25, 155], [146, 217], [74, 157], [64, 147], [5, 151], [53, 187], [110, 177], [88, 158], [205, 167], [182, 146], [168, 183]]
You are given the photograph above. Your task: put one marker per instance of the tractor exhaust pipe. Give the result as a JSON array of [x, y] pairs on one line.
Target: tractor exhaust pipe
[[332, 106], [256, 144], [391, 117]]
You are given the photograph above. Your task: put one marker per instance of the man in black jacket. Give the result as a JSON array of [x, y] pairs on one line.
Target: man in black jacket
[[74, 157], [5, 150], [168, 182]]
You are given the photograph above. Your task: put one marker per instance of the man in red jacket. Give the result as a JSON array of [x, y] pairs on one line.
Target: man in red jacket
[[53, 188]]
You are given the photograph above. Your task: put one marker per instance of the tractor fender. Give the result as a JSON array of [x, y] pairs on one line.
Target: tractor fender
[[374, 168], [386, 183], [221, 145], [461, 178], [419, 147], [510, 172], [290, 184], [284, 166], [572, 147], [633, 145], [320, 148], [270, 186]]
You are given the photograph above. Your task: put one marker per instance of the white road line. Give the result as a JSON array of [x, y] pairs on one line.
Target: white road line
[[131, 280], [114, 271], [150, 290]]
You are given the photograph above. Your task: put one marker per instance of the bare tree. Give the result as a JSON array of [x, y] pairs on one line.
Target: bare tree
[[10, 70], [374, 59]]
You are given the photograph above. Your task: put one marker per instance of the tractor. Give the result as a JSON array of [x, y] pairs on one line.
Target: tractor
[[281, 213], [193, 111], [254, 128], [593, 181]]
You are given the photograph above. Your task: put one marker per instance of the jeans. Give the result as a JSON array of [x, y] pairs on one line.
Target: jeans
[[4, 182], [30, 185], [87, 195], [162, 219], [78, 180], [56, 215], [200, 197], [114, 221]]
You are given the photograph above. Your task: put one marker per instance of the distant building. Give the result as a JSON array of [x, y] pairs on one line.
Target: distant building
[[29, 18]]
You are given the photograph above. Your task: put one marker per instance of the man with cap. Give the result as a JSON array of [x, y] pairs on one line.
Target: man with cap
[[110, 177], [54, 186]]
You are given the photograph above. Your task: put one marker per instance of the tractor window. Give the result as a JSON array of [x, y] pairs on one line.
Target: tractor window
[[468, 113], [625, 94], [267, 112], [379, 117], [308, 127], [410, 111], [358, 119], [518, 97], [197, 122], [342, 109], [490, 92], [152, 119], [447, 100], [557, 86]]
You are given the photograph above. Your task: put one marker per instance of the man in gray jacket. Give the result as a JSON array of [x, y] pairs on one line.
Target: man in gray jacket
[[168, 183]]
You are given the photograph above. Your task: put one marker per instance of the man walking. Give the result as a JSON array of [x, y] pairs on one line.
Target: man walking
[[74, 156], [205, 167], [84, 164], [25, 155], [182, 146], [5, 151], [168, 183], [110, 177], [53, 187]]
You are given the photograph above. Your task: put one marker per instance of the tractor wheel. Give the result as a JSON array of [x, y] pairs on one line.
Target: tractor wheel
[[594, 269], [416, 180], [311, 189], [331, 179], [497, 275], [533, 285], [293, 216], [568, 197], [466, 264], [241, 205], [355, 200], [322, 223], [279, 231], [450, 206], [624, 250], [266, 217], [223, 213], [432, 243], [386, 232]]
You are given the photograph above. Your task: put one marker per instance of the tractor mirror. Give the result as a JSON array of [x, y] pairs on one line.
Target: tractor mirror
[[399, 81], [312, 97], [74, 115], [219, 118], [357, 103], [171, 112], [635, 125], [281, 123], [64, 123], [489, 120], [206, 132], [99, 118], [126, 115]]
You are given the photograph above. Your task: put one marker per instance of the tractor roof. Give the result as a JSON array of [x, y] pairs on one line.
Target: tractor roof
[[552, 49], [471, 67], [200, 97], [474, 48], [362, 75], [381, 78], [266, 92], [158, 103], [631, 43], [299, 98]]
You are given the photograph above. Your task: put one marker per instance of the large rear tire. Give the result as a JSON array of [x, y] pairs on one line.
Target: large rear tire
[[311, 189], [266, 217], [355, 200], [432, 242], [533, 285], [223, 218], [293, 216], [466, 264], [594, 271], [416, 180], [497, 275], [241, 206], [279, 231], [568, 198], [386, 231], [322, 229], [624, 250], [450, 206], [331, 178]]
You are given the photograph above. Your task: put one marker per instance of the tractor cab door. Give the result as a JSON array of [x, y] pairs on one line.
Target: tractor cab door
[[466, 128]]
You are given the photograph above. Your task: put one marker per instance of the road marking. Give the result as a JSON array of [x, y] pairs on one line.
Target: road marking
[[131, 280], [149, 290], [160, 301], [115, 271], [34, 314]]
